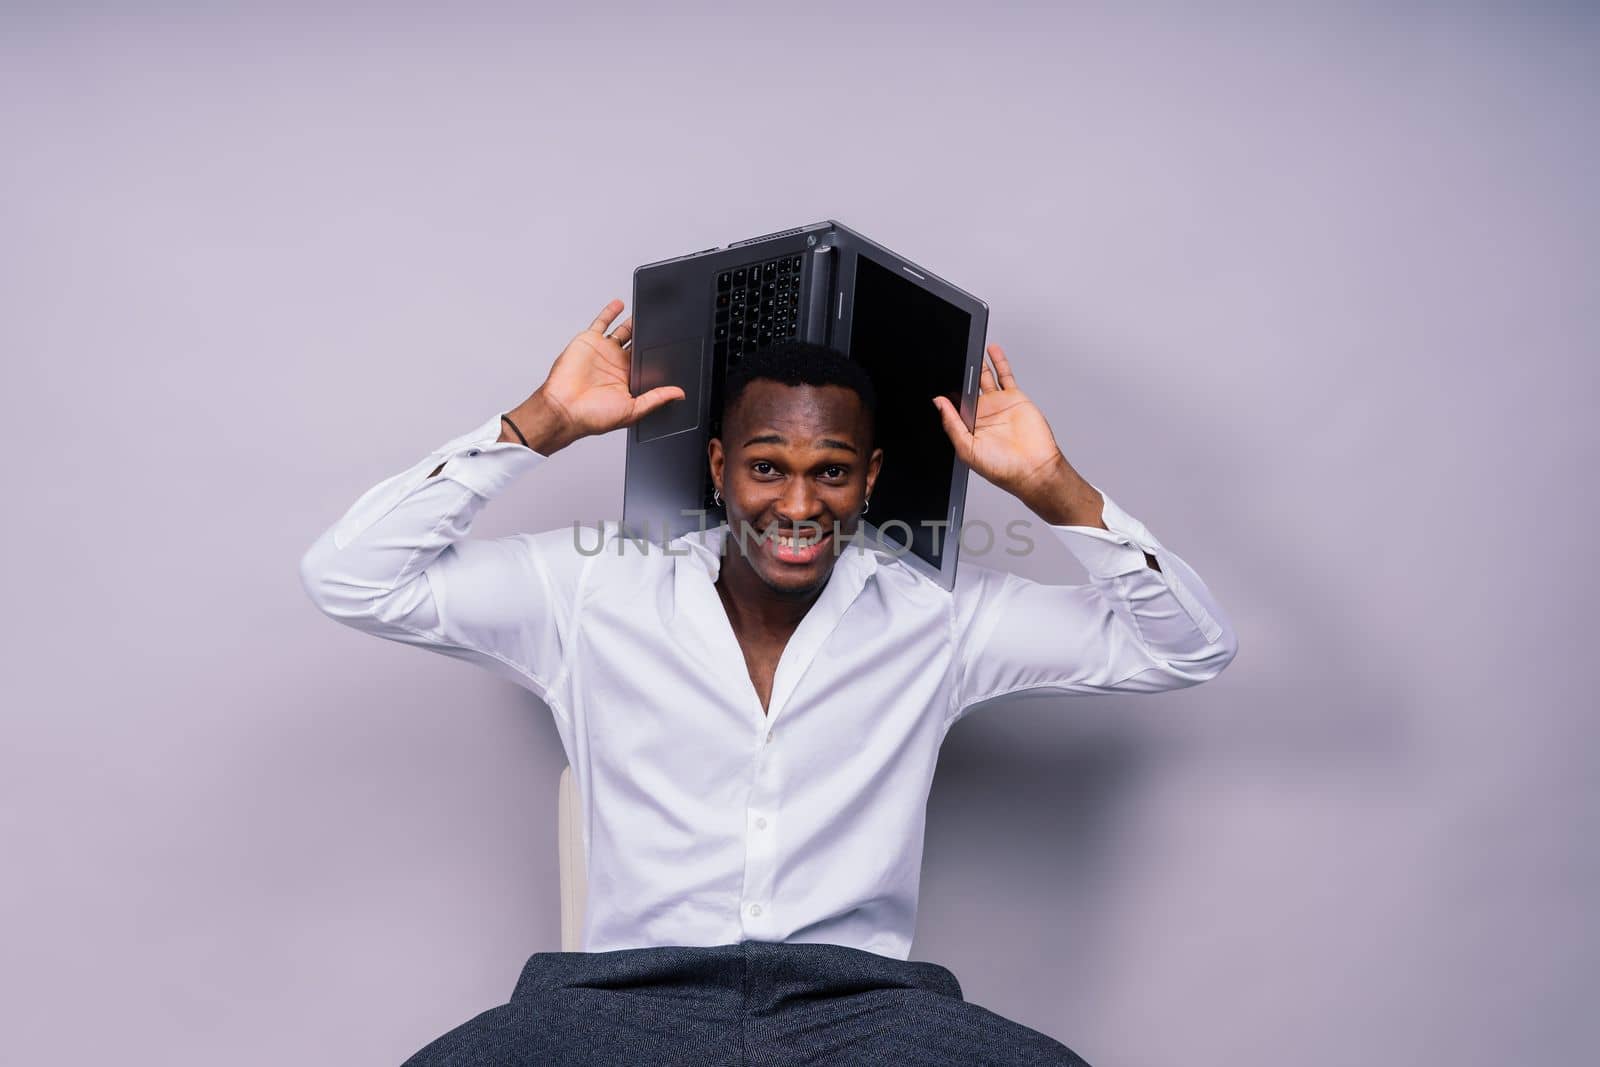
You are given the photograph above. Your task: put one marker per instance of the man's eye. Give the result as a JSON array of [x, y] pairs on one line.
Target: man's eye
[[833, 472], [761, 466]]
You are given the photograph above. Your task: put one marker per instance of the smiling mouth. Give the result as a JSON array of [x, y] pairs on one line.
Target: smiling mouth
[[795, 547], [799, 540]]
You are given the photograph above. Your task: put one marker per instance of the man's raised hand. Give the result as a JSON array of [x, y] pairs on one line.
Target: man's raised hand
[[586, 391], [1010, 442]]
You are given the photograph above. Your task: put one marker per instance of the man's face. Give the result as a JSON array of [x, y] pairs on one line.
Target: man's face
[[792, 455]]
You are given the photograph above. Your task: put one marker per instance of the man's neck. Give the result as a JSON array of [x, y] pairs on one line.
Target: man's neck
[[755, 607]]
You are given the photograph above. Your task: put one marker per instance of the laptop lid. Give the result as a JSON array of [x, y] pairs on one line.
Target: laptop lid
[[917, 336]]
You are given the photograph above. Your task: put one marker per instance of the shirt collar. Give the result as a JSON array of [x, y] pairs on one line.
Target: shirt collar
[[695, 600], [699, 559]]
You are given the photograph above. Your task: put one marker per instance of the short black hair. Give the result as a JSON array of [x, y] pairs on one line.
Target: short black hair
[[799, 363]]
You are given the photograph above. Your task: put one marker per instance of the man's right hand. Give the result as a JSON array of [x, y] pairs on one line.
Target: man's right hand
[[586, 391]]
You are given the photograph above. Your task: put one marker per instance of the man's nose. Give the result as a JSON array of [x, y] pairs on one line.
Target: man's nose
[[798, 502]]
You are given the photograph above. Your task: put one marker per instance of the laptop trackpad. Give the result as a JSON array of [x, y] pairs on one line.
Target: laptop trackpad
[[675, 363]]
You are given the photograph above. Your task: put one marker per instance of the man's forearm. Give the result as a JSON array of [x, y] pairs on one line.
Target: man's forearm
[[1063, 497], [539, 421], [1060, 496]]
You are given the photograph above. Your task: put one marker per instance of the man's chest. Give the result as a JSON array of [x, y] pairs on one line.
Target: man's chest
[[761, 659], [647, 686]]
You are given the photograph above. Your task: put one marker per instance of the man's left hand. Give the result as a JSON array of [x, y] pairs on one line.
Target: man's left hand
[[1011, 445]]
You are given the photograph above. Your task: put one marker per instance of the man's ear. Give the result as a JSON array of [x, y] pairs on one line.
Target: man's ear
[[717, 459], [874, 465]]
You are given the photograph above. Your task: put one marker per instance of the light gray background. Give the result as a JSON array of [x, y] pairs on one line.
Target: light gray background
[[1312, 292]]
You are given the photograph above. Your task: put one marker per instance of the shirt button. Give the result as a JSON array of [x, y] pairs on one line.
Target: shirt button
[[761, 824], [473, 451], [755, 909]]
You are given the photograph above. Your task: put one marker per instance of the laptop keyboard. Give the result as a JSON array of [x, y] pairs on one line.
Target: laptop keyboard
[[757, 304]]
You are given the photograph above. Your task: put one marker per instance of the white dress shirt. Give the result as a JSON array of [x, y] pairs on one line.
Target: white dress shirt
[[707, 821]]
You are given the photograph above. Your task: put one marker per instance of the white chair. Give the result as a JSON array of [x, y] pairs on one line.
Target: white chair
[[574, 878]]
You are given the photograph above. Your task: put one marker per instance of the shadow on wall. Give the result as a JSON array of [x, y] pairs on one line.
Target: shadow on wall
[[1041, 815]]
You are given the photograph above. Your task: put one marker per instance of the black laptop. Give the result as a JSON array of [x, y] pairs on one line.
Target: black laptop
[[917, 335]]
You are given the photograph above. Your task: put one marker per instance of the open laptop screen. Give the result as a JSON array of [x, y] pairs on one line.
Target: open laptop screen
[[914, 346]]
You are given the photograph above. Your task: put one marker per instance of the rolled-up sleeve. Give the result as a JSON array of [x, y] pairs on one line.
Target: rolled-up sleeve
[[1131, 628], [398, 565]]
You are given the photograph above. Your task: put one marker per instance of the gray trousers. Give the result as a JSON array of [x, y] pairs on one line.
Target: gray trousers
[[756, 1003]]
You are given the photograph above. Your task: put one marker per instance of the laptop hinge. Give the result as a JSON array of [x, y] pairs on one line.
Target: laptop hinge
[[819, 324]]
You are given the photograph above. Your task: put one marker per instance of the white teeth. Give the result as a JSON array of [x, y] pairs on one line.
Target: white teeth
[[793, 541]]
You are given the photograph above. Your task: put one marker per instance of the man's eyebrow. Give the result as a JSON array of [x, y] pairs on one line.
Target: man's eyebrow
[[778, 439]]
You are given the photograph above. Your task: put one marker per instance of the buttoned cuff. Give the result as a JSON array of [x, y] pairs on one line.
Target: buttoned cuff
[[482, 462], [1119, 549], [477, 460]]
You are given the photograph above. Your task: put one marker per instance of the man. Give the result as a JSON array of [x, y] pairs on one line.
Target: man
[[753, 721]]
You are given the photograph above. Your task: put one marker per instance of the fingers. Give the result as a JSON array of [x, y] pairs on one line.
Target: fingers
[[955, 429], [624, 333], [986, 381], [648, 401], [607, 313], [1002, 367]]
